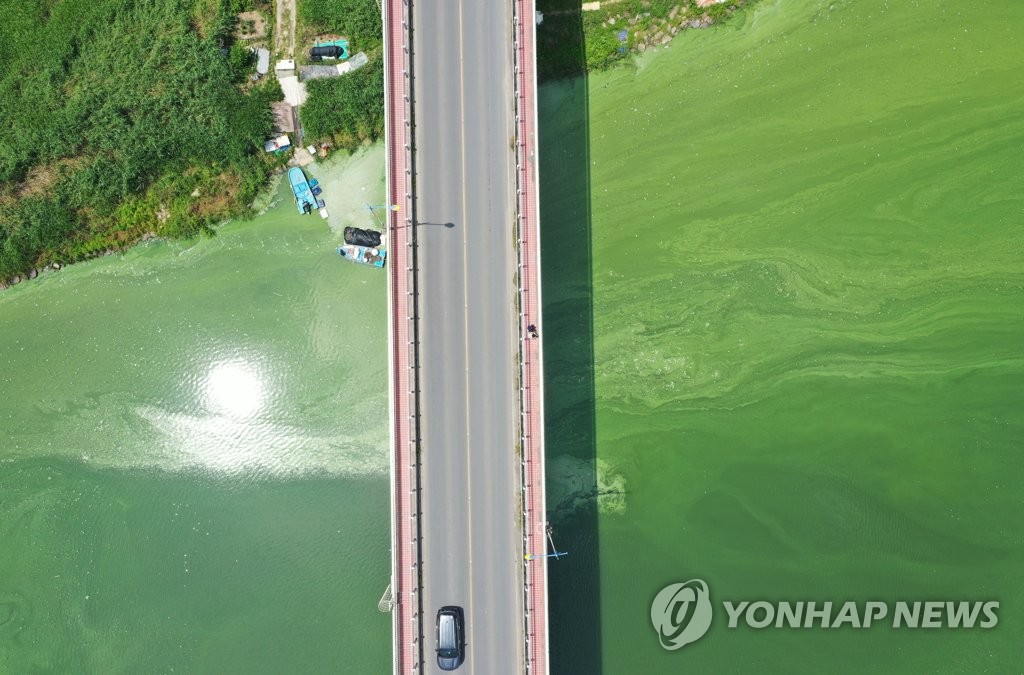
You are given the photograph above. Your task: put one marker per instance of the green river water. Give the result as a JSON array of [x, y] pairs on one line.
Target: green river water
[[785, 278], [784, 318], [193, 467]]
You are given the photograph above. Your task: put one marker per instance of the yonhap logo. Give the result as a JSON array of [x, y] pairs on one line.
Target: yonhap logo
[[681, 613]]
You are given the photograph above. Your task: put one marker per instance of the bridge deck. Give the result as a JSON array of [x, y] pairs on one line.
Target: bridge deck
[[410, 629]]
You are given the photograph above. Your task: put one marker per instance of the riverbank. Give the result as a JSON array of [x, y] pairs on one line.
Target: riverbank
[[35, 272], [350, 181], [579, 37], [118, 159]]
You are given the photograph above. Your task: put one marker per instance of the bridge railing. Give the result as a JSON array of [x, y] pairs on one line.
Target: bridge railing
[[531, 344], [402, 337]]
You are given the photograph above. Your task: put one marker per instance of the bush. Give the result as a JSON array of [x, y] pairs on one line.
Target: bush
[[602, 46], [349, 109], [36, 225], [241, 60]]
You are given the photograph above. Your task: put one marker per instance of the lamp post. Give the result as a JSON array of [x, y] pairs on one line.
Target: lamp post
[[389, 207]]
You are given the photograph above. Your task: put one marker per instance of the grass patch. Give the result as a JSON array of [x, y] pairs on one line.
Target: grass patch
[[115, 108]]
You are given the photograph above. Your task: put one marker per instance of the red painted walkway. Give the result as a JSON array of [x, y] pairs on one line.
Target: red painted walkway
[[401, 336], [535, 514]]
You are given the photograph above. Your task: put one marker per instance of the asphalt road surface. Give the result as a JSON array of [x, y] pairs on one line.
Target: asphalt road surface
[[468, 328]]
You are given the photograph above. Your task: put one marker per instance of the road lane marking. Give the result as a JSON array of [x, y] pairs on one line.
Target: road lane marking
[[470, 652]]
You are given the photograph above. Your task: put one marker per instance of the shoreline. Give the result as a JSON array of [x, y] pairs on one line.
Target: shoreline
[[266, 199]]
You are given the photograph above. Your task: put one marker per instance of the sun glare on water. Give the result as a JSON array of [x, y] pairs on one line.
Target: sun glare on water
[[234, 389]]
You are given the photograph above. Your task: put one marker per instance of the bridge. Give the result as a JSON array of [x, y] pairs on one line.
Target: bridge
[[465, 342]]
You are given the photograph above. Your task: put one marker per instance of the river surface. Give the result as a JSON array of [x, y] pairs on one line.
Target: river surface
[[193, 459], [784, 286]]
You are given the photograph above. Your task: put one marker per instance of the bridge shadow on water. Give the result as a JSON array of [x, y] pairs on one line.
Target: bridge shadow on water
[[574, 581]]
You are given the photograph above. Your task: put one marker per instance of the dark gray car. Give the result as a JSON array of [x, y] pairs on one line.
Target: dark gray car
[[451, 638]]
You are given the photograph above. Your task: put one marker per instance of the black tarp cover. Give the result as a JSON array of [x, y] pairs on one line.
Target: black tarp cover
[[333, 51], [354, 235]]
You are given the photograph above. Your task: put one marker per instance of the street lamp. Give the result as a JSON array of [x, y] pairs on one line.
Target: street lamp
[[371, 209]]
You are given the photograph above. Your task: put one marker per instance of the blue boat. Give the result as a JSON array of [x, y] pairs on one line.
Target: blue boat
[[304, 198], [363, 254]]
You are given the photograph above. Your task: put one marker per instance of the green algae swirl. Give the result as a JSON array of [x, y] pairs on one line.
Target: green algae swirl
[[808, 314]]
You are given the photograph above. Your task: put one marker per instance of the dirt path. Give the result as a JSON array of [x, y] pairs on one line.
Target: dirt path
[[284, 40], [295, 19]]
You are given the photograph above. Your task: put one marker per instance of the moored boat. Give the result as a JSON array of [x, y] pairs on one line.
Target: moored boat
[[365, 255], [304, 199]]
